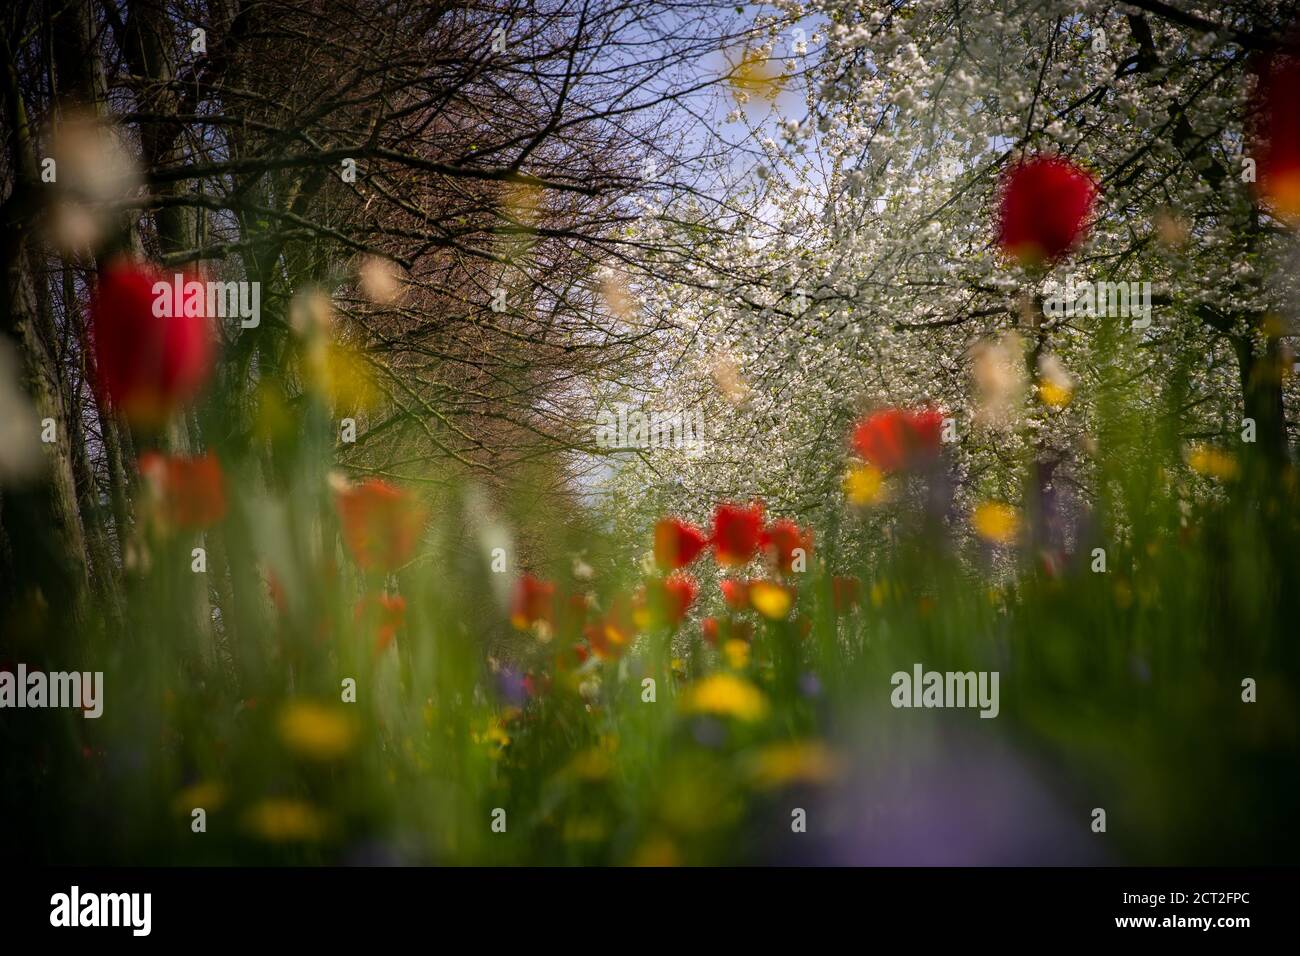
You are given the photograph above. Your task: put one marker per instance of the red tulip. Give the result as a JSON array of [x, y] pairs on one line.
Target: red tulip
[[735, 593], [894, 439], [610, 637], [680, 592], [677, 543], [147, 366], [535, 686], [1278, 132], [575, 617], [1045, 205], [190, 492], [845, 594], [602, 644], [276, 591], [387, 611], [781, 540], [709, 628], [533, 602], [736, 532], [381, 524], [665, 601]]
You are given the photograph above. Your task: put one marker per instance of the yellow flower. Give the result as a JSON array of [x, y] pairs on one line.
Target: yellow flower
[[493, 733], [725, 695], [996, 522], [756, 74], [864, 485], [286, 820], [317, 731], [273, 417], [737, 654], [585, 830], [208, 795], [341, 376], [657, 851], [771, 600], [1055, 387], [800, 761], [593, 765], [1275, 326], [1053, 395], [1212, 463]]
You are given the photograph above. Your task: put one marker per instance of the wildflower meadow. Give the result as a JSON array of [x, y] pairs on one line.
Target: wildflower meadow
[[633, 434]]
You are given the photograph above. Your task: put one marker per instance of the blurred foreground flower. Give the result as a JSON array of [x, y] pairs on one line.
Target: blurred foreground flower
[[725, 695], [657, 852], [380, 280], [677, 543], [284, 820], [1278, 135], [737, 530], [1212, 462], [894, 439], [756, 74], [317, 731], [725, 372], [385, 613], [771, 600], [1000, 379], [735, 593], [796, 762], [618, 298], [148, 366], [342, 377], [209, 795], [94, 171], [709, 630], [787, 546], [381, 524], [846, 594], [610, 636], [533, 602], [1044, 210], [737, 652], [494, 735], [189, 494], [996, 522], [592, 765], [864, 485], [664, 602], [1055, 386], [338, 375]]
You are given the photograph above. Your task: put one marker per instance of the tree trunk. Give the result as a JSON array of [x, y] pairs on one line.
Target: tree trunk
[[42, 523], [1261, 391]]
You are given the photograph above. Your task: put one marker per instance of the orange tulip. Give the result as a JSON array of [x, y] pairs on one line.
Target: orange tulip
[[190, 492], [381, 524]]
